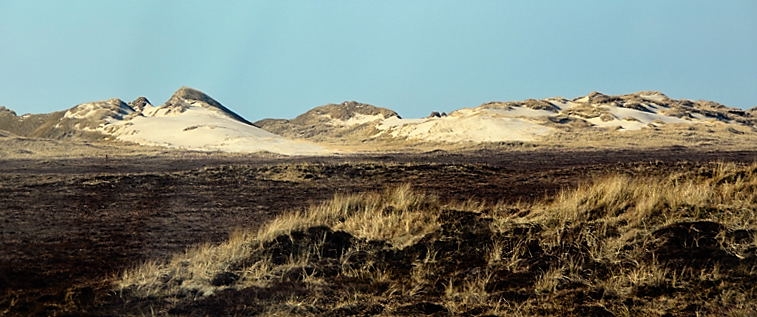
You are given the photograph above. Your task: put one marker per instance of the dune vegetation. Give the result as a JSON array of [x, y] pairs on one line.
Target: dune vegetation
[[617, 245]]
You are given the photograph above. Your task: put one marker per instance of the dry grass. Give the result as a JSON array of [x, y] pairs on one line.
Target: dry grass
[[723, 193], [399, 216], [714, 135], [396, 215], [605, 238]]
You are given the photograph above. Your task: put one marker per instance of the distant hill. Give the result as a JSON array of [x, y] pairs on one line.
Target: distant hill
[[556, 121], [189, 120], [192, 120], [31, 125], [347, 120]]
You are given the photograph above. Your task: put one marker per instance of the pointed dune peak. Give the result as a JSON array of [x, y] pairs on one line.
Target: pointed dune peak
[[651, 94], [112, 108], [186, 97], [596, 97], [4, 110], [140, 103], [187, 94], [437, 114], [596, 94]]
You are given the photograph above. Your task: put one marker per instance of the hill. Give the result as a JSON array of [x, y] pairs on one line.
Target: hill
[[592, 120], [189, 120], [192, 120], [349, 120]]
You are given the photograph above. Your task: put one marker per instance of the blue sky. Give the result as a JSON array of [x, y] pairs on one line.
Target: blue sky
[[281, 58]]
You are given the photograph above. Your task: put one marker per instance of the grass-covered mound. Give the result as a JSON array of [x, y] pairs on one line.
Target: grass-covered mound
[[616, 246]]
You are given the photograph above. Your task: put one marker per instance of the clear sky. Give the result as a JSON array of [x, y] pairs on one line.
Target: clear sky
[[280, 58]]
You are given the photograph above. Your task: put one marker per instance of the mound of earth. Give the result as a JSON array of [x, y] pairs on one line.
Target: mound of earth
[[349, 120]]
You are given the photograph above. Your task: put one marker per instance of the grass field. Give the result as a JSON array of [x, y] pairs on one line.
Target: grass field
[[620, 244]]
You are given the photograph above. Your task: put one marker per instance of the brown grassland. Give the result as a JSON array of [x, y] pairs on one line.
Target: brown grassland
[[596, 234], [617, 245]]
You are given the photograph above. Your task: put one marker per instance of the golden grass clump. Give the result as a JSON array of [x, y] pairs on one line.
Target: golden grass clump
[[398, 215], [645, 199]]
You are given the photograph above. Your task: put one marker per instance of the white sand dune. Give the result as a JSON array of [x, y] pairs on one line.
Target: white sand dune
[[200, 128], [466, 125], [517, 121], [190, 124]]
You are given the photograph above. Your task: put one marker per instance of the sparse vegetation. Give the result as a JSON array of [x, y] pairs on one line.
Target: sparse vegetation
[[618, 245]]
